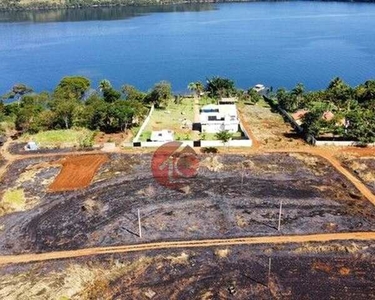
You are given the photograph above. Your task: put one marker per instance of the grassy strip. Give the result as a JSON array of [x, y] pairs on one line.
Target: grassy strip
[[61, 138]]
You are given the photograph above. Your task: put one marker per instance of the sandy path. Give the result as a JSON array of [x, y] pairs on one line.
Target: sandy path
[[24, 258]]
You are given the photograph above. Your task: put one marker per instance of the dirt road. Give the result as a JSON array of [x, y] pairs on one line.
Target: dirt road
[[9, 158], [24, 258]]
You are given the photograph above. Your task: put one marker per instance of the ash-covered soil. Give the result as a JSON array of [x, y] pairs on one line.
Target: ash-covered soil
[[344, 270], [217, 203]]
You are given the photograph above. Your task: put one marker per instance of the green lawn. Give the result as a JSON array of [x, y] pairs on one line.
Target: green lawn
[[206, 100], [171, 118], [12, 200], [212, 137], [61, 138]]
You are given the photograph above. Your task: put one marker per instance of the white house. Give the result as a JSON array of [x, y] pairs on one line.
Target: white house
[[216, 118], [259, 88], [162, 136], [31, 146]]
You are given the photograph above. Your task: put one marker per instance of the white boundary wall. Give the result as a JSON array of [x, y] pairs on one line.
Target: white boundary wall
[[245, 132], [232, 143], [339, 143], [144, 124], [158, 144]]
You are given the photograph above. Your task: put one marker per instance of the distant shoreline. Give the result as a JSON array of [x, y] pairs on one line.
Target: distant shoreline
[[15, 5]]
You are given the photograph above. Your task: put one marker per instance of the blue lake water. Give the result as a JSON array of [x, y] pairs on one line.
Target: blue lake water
[[275, 43]]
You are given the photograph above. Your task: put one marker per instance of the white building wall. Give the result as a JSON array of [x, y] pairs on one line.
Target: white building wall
[[158, 144], [214, 127], [232, 143], [340, 143]]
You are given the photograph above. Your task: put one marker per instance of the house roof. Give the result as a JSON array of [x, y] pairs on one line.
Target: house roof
[[210, 106], [328, 115], [299, 114], [229, 99], [161, 133], [32, 145]]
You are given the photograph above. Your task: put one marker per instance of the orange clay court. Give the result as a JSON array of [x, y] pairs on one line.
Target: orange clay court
[[77, 172]]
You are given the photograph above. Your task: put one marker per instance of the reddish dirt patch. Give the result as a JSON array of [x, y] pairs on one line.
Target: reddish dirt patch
[[77, 172], [344, 271], [320, 266], [116, 138]]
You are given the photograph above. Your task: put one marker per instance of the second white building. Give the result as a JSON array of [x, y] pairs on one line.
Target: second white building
[[215, 118]]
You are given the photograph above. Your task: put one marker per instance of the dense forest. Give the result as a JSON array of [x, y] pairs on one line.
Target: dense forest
[[74, 103], [63, 4], [58, 4]]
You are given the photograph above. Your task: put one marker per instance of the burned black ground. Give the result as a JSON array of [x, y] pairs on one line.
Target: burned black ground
[[344, 270], [216, 204]]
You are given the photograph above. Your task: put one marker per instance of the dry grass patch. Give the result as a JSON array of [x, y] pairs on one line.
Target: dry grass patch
[[313, 248], [369, 176], [92, 206], [148, 191], [183, 258], [363, 171], [74, 282], [312, 162], [241, 222], [357, 166], [28, 175], [212, 163], [222, 253]]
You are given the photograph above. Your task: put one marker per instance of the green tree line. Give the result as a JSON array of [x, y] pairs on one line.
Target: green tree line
[[74, 104]]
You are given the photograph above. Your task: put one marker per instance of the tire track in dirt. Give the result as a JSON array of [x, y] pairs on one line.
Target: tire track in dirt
[[326, 237]]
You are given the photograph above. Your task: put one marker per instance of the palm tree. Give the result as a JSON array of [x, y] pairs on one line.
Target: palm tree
[[225, 136], [340, 93], [298, 90], [196, 87], [297, 95], [105, 84]]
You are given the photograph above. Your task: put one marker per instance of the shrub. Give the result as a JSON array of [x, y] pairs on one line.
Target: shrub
[[209, 150]]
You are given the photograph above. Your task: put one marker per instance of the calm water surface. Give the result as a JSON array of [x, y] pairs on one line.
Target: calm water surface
[[278, 44]]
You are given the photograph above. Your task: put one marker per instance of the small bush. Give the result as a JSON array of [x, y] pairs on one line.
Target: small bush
[[209, 150], [87, 141]]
